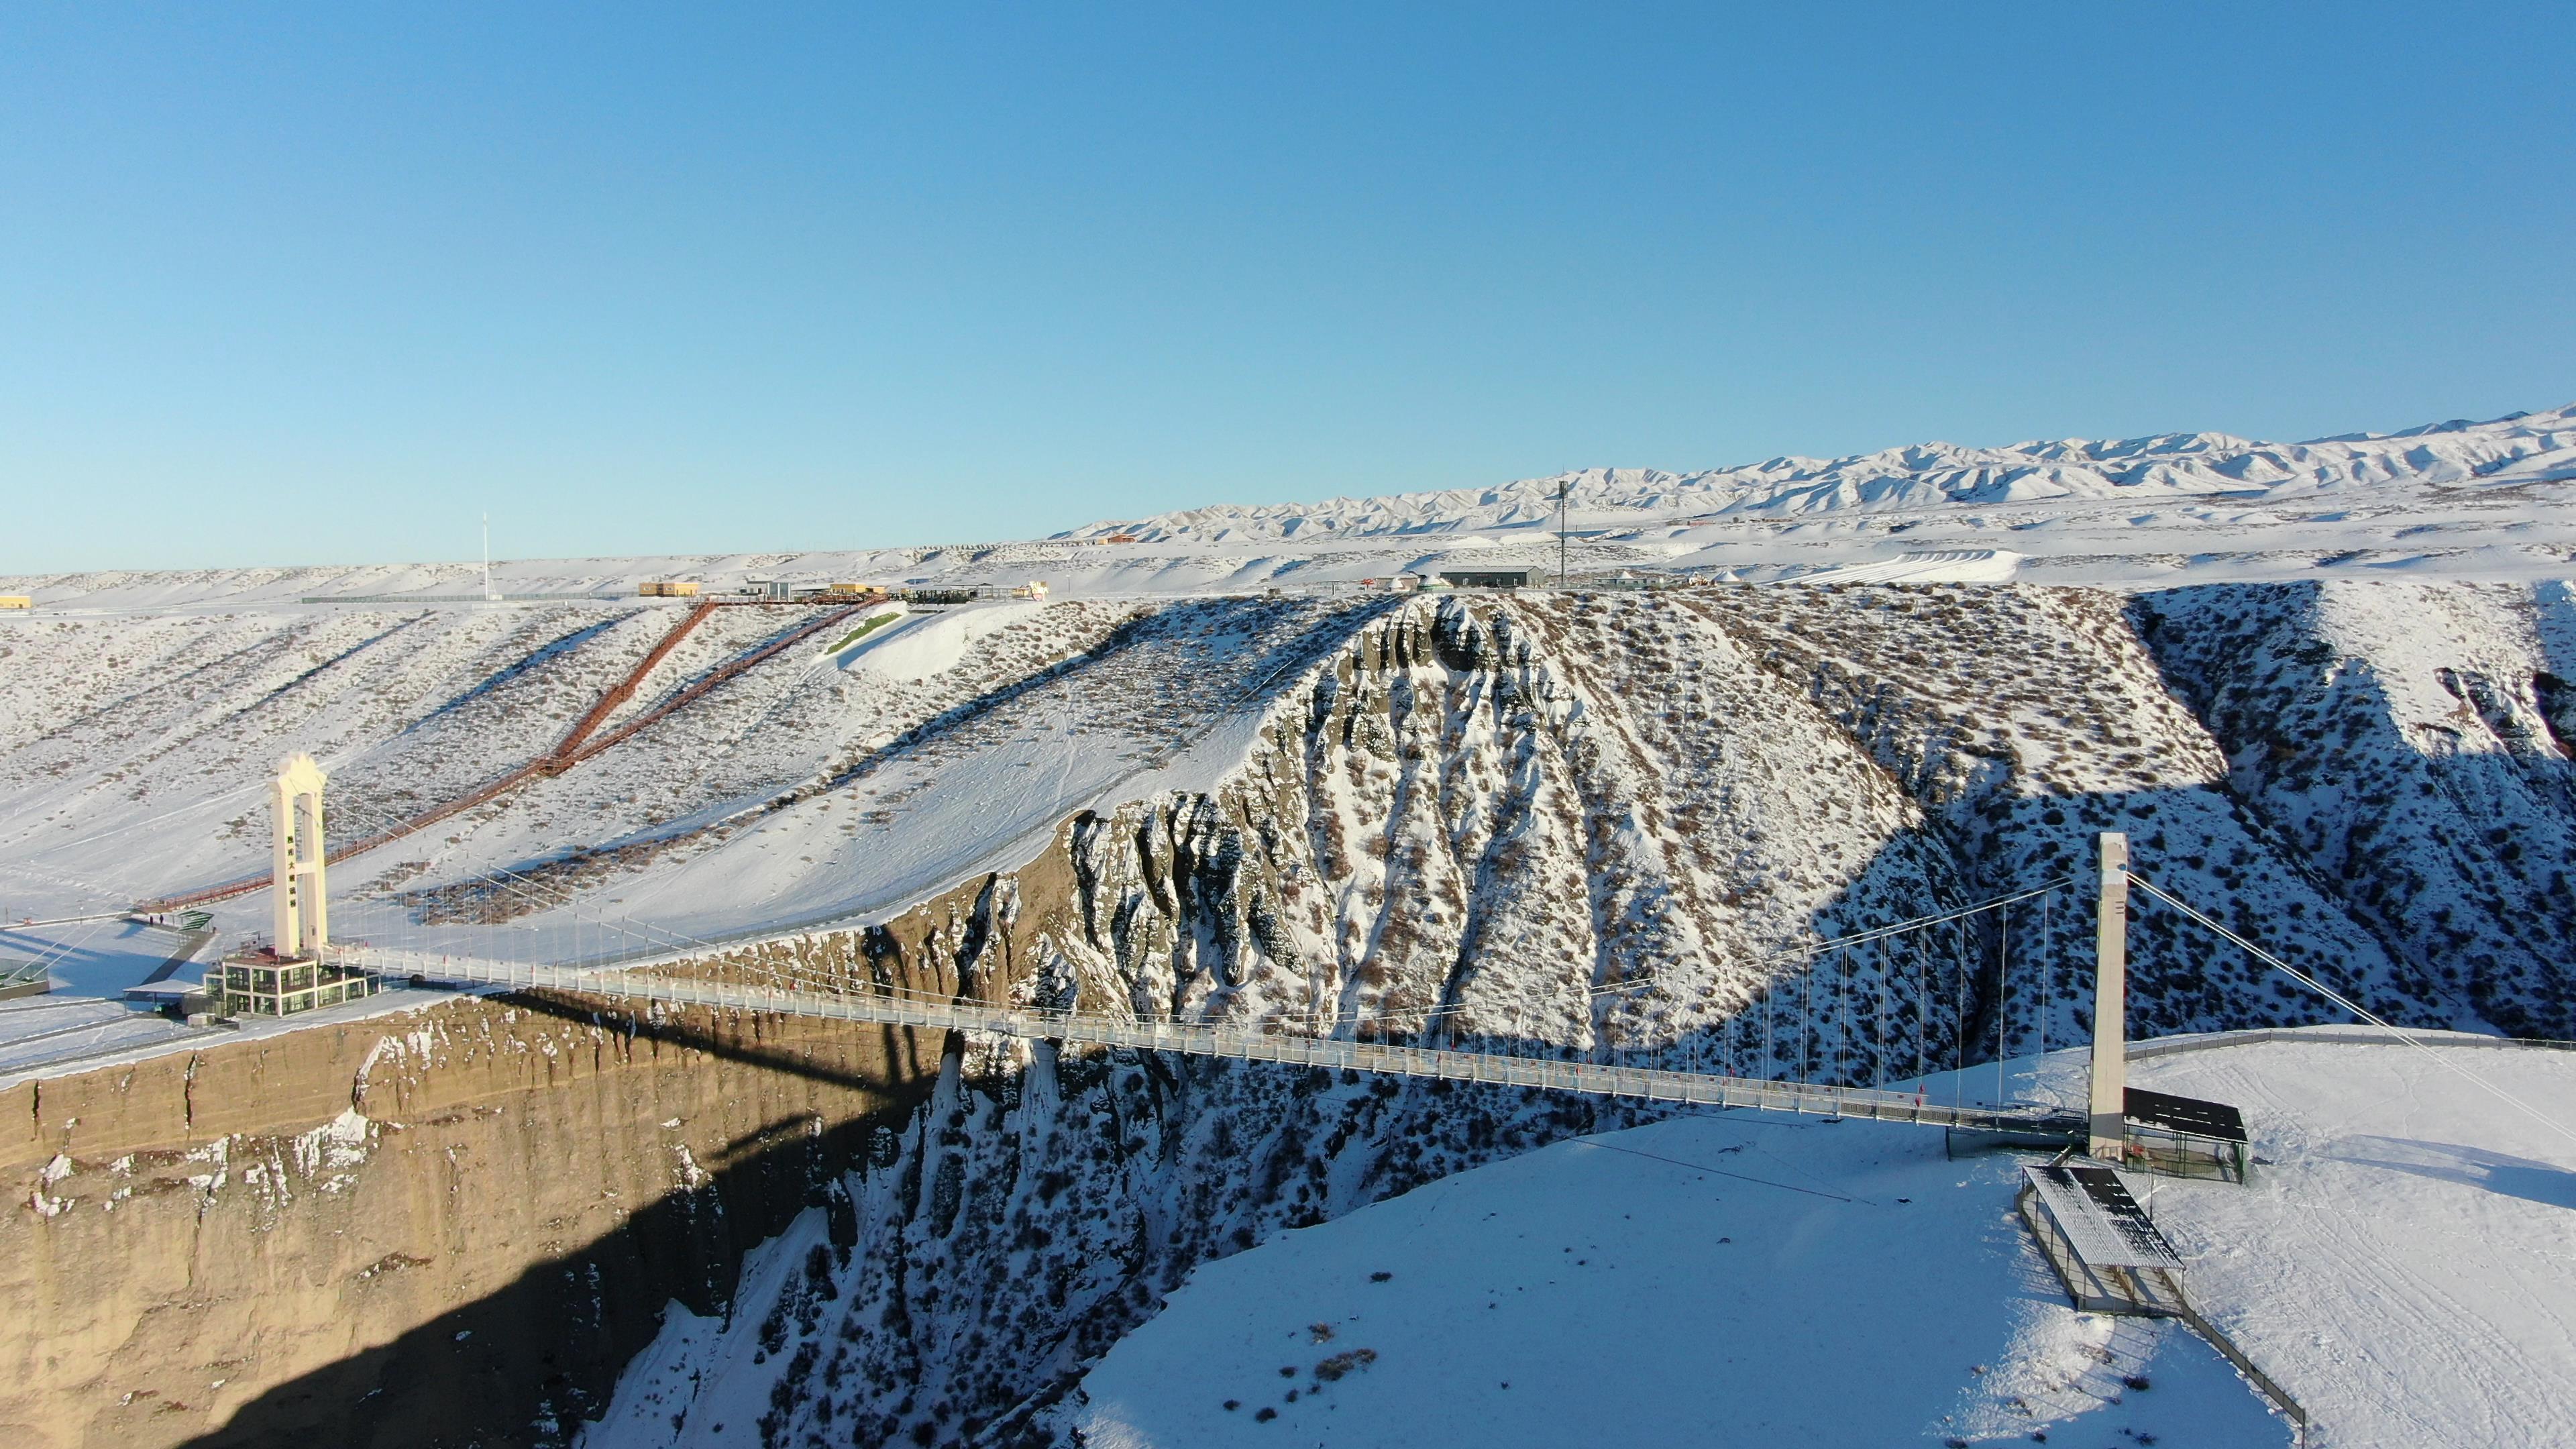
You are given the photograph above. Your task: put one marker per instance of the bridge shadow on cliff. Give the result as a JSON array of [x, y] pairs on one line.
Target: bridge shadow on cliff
[[526, 1364]]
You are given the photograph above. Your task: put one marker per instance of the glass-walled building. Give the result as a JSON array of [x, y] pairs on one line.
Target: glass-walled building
[[260, 982]]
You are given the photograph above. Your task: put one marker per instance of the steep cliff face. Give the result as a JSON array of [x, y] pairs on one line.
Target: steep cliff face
[[482, 1222], [2412, 740], [444, 1226]]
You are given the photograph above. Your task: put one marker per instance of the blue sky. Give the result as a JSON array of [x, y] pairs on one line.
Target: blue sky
[[648, 280]]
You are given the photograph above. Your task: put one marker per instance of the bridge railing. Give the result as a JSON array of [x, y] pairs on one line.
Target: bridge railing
[[1594, 1078]]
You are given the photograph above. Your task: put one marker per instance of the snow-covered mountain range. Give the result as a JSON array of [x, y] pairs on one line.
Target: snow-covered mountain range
[[2492, 500], [2521, 451]]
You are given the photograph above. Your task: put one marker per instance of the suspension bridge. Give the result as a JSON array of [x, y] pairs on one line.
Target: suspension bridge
[[1842, 1060], [619, 959], [1275, 1041]]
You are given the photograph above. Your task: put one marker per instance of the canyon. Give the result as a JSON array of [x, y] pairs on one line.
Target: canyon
[[1601, 824]]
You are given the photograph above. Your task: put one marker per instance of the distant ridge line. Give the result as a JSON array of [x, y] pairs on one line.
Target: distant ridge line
[[456, 598]]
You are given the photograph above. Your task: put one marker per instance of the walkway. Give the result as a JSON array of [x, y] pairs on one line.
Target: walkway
[[1242, 1044]]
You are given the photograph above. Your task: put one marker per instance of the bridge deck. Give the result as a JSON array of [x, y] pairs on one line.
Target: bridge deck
[[1645, 1083]]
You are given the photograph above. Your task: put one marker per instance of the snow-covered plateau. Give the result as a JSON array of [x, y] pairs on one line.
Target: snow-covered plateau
[[2323, 688]]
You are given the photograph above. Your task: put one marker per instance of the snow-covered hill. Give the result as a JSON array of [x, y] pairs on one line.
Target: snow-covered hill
[[2399, 1264]]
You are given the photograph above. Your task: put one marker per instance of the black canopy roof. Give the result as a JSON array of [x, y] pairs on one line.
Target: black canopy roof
[[2183, 1114]]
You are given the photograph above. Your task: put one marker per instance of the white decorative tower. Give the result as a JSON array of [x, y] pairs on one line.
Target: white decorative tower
[[2110, 1129], [303, 912]]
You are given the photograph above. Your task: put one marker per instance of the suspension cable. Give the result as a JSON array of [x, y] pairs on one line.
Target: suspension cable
[[2356, 1008], [545, 897], [1919, 922]]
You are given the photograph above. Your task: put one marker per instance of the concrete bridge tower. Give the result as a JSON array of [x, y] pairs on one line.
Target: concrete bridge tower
[[2109, 1108], [290, 974], [301, 900]]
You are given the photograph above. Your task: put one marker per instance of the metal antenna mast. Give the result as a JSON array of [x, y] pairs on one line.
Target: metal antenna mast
[[488, 595], [1563, 485]]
